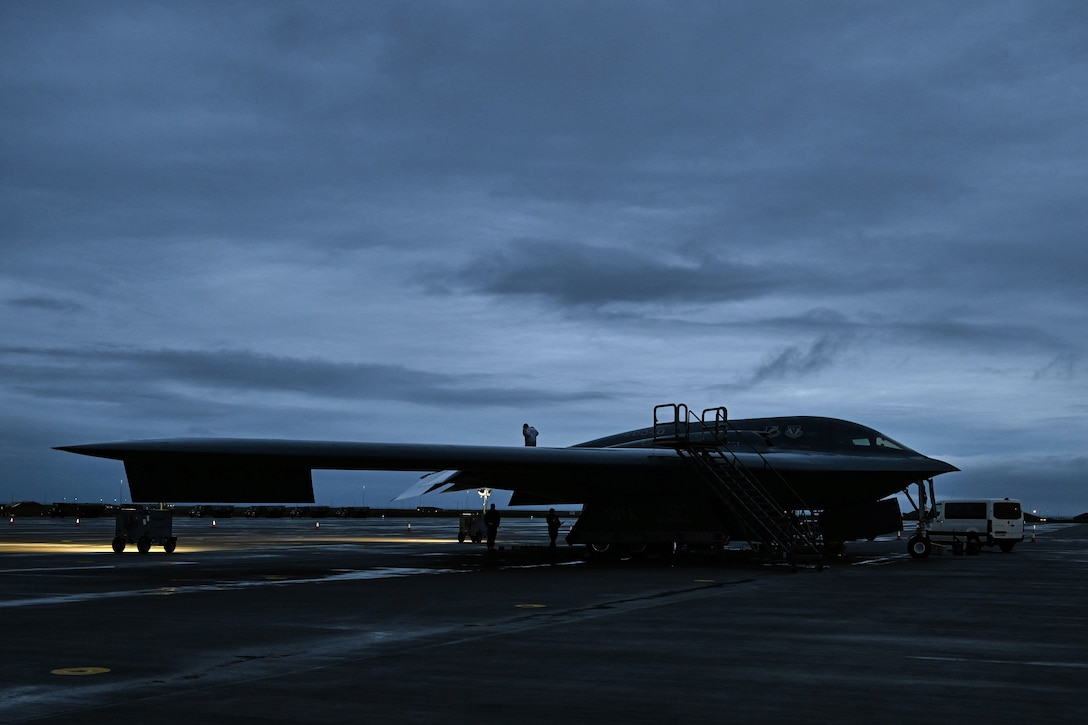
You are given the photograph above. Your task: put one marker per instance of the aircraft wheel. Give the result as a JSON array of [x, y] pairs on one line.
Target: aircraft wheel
[[974, 546], [118, 544], [918, 547], [143, 545], [598, 550], [1006, 546], [170, 544]]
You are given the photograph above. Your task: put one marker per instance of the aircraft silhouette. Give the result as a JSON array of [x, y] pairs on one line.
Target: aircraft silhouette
[[678, 481]]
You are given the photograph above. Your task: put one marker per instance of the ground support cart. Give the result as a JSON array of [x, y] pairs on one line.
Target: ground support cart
[[471, 527], [144, 527]]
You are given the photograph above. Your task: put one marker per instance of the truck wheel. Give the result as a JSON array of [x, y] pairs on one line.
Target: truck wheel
[[170, 544], [461, 538], [1006, 546], [143, 545], [118, 544], [974, 546], [918, 547]]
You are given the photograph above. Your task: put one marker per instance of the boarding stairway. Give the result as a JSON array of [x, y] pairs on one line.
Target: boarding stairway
[[776, 534]]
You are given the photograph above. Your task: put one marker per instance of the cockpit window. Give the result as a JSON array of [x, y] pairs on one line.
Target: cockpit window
[[812, 433], [851, 436]]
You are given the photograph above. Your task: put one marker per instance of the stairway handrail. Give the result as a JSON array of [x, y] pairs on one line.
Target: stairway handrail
[[723, 443]]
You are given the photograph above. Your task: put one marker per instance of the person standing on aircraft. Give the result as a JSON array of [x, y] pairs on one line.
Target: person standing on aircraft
[[530, 434], [553, 525], [491, 520]]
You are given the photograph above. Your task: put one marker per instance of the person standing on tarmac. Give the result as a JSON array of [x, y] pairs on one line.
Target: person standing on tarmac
[[491, 520], [553, 525], [530, 434]]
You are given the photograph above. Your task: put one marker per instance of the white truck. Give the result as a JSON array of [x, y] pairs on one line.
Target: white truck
[[969, 524]]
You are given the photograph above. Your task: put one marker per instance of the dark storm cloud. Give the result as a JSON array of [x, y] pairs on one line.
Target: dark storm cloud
[[126, 374], [227, 128], [576, 274], [795, 362], [47, 304], [582, 274], [1063, 366]]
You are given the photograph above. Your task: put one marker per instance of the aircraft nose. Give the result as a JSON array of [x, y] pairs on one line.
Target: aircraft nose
[[942, 467]]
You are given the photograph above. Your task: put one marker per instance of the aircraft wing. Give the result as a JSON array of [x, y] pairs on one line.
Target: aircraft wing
[[225, 470], [279, 471]]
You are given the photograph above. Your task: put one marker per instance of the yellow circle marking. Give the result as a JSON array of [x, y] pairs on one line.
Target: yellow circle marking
[[81, 671], [530, 606]]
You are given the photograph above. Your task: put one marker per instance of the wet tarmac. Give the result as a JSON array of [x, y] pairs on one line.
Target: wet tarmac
[[285, 621]]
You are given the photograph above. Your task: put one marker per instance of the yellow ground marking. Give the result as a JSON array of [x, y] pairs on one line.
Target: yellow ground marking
[[195, 543], [81, 671], [530, 606]]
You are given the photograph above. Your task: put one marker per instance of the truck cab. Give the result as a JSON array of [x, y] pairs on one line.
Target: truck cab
[[975, 523]]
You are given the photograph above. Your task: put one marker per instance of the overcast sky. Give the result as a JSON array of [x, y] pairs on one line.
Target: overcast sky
[[435, 221]]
